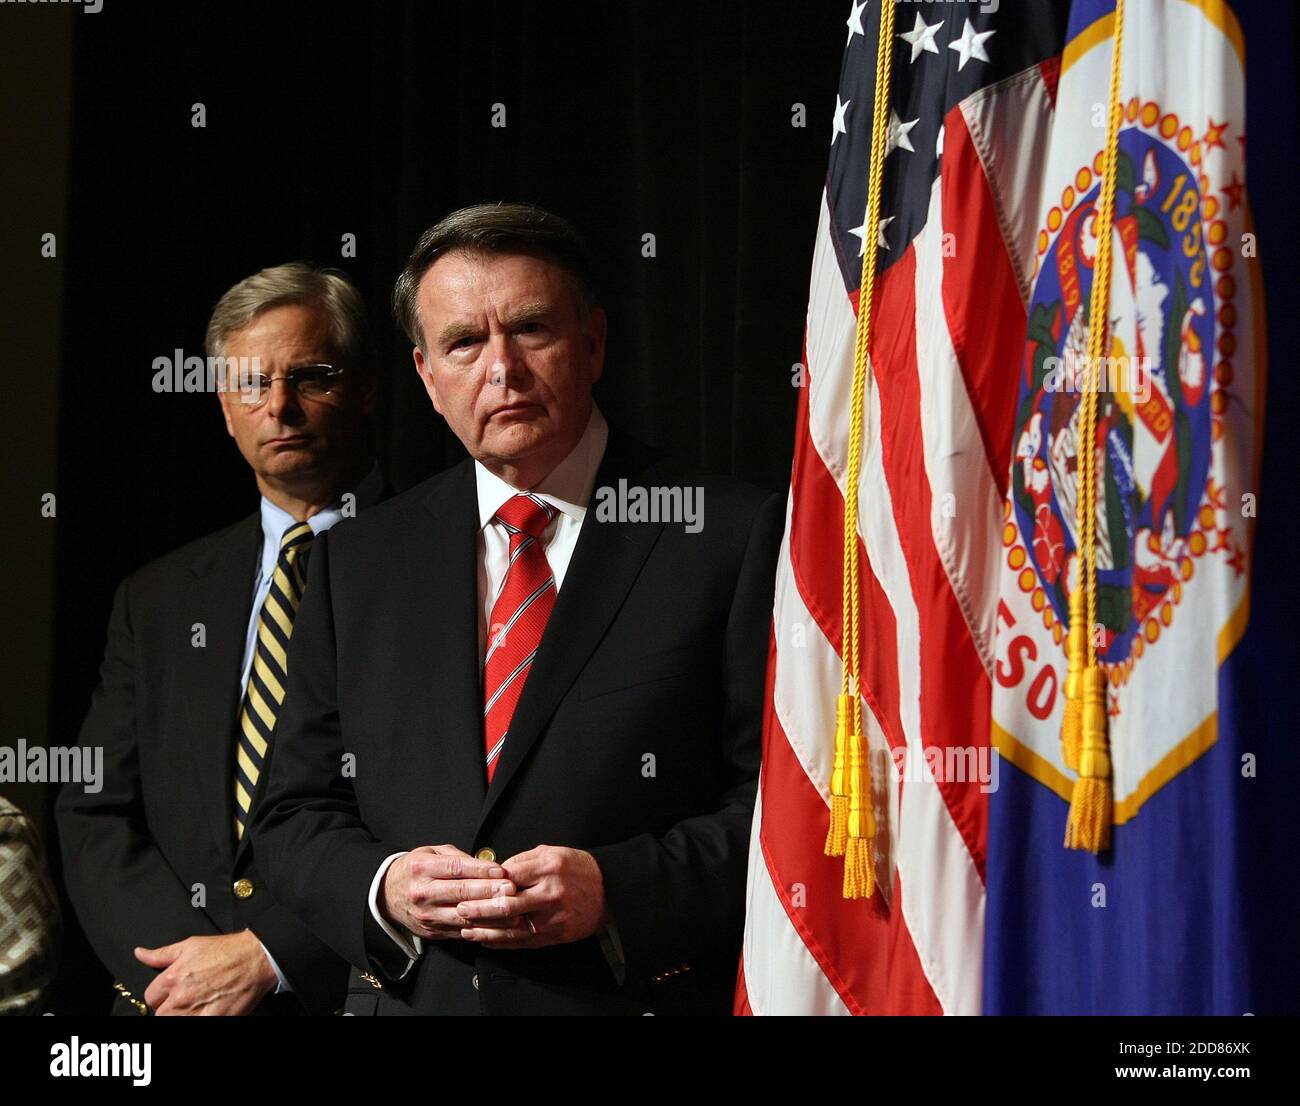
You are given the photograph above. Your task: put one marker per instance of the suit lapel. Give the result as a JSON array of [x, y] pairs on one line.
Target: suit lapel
[[371, 489], [222, 596], [443, 628], [605, 563]]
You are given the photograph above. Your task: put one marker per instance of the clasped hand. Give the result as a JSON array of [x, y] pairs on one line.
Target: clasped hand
[[548, 895]]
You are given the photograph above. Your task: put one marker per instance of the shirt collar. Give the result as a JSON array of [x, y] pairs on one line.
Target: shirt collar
[[276, 520], [567, 487]]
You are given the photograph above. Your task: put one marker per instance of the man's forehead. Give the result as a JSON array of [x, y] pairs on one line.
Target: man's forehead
[[298, 321], [288, 329], [464, 277]]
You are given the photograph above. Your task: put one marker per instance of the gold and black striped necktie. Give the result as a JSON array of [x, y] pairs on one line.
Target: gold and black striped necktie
[[267, 679]]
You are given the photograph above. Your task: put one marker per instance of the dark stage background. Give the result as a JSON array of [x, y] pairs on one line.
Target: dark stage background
[[375, 120]]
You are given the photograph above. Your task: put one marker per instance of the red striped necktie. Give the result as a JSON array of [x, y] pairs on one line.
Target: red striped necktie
[[519, 616]]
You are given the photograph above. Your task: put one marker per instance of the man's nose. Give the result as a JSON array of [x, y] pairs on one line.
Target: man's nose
[[283, 400], [506, 367]]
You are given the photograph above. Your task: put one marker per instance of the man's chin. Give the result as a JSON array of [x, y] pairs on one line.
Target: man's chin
[[291, 465], [515, 442]]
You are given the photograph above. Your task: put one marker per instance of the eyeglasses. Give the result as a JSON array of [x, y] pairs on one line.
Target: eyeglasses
[[315, 382]]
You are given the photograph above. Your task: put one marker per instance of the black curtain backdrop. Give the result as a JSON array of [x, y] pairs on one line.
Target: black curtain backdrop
[[376, 120]]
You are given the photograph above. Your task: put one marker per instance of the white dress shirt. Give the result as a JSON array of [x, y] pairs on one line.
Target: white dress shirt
[[568, 488], [275, 521]]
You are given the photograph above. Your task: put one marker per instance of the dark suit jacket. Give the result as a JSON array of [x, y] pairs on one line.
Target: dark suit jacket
[[636, 737], [136, 853]]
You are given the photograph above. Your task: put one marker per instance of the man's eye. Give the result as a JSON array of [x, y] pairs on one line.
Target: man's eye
[[462, 343]]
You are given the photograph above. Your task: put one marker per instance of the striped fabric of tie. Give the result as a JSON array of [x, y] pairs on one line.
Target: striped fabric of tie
[[266, 681], [519, 616]]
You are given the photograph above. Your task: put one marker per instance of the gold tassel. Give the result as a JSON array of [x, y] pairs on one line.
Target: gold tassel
[[853, 826], [837, 833], [1088, 826], [1076, 655], [859, 871]]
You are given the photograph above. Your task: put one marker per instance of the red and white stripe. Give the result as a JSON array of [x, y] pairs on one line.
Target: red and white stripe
[[946, 346]]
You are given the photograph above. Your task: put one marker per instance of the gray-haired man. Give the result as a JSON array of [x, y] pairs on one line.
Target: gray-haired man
[[158, 867]]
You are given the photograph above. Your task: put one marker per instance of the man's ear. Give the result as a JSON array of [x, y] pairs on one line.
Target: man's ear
[[426, 377]]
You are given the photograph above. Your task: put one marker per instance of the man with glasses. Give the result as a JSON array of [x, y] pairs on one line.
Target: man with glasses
[[158, 866]]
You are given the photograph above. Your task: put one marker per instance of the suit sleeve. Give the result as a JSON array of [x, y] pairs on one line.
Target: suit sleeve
[[122, 888], [680, 896], [312, 970], [318, 855]]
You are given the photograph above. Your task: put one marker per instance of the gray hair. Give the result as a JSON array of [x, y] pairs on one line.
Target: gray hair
[[295, 283], [497, 228]]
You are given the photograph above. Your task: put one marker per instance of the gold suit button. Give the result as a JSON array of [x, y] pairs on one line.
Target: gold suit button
[[243, 888], [486, 854]]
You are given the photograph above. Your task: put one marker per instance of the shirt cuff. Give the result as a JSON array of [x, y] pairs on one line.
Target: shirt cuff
[[409, 943], [283, 984]]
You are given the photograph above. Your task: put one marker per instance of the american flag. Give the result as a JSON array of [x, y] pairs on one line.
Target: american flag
[[971, 99]]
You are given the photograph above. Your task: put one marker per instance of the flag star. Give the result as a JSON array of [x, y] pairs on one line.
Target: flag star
[[855, 20], [861, 232], [1235, 190], [898, 130], [1214, 135], [970, 45], [837, 127], [921, 37], [883, 224]]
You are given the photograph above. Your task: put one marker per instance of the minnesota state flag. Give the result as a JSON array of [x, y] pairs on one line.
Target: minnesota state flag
[[1127, 533]]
